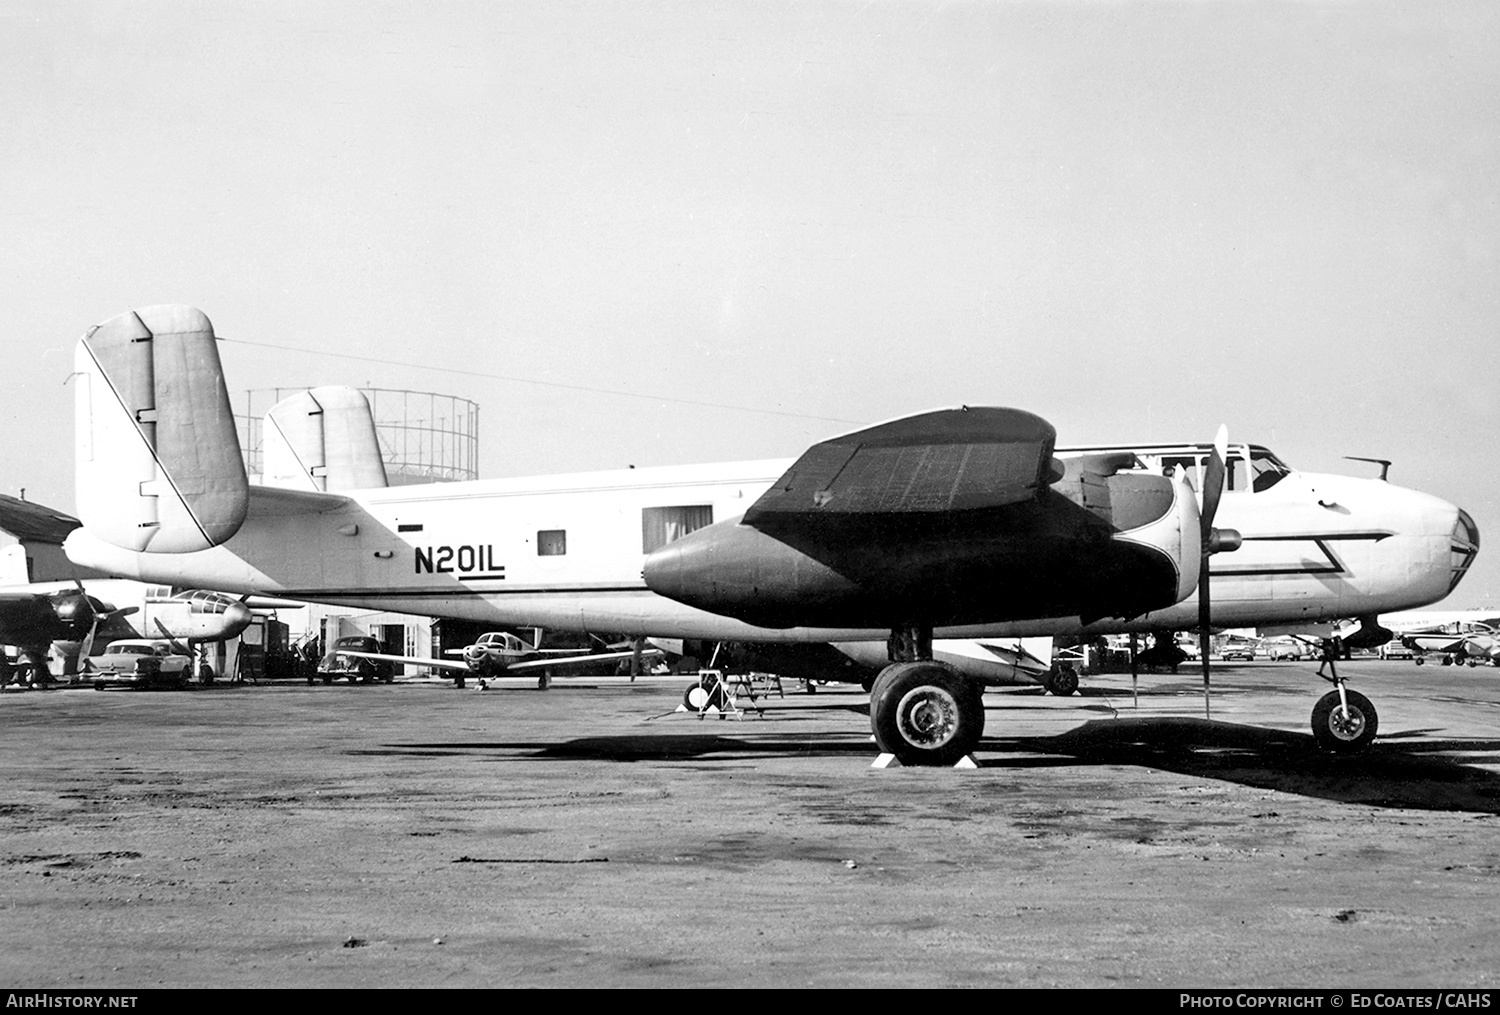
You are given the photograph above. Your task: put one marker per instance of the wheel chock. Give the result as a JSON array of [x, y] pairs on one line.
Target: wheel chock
[[889, 761]]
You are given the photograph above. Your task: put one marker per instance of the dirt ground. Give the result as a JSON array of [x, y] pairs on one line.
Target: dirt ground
[[418, 835]]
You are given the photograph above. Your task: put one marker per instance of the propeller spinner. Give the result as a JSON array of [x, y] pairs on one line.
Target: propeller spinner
[[73, 609]]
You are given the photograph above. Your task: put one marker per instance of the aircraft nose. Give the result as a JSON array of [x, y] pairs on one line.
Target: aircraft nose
[[237, 617]]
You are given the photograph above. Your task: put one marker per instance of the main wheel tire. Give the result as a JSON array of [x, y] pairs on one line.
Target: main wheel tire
[[1340, 732], [926, 713], [1064, 681], [700, 695]]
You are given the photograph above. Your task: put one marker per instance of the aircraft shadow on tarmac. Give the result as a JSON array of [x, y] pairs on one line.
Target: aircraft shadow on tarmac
[[648, 747], [1402, 770]]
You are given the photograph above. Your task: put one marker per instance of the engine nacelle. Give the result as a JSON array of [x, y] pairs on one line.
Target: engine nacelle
[[1047, 557]]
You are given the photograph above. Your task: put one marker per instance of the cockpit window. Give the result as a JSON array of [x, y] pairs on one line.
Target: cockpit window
[[1267, 469], [1188, 463]]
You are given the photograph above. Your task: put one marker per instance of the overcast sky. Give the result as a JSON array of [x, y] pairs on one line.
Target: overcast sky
[[1138, 220]]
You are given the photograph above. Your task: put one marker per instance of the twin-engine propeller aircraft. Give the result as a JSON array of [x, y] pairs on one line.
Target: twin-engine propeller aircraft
[[32, 620], [958, 523], [1461, 636], [36, 616]]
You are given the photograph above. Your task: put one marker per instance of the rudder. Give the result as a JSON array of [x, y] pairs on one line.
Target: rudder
[[158, 458]]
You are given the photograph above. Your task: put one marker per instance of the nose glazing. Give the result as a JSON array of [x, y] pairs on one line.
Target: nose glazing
[[1463, 545]]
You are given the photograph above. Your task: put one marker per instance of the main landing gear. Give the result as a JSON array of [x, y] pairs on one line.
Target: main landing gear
[[924, 712], [1063, 680], [1343, 721]]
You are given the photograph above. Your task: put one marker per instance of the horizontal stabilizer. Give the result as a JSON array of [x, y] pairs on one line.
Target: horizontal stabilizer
[[322, 440], [158, 458], [34, 523], [934, 462]]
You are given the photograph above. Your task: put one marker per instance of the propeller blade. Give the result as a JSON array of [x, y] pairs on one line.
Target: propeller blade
[[1214, 475], [87, 648], [1213, 480], [177, 646], [1205, 631]]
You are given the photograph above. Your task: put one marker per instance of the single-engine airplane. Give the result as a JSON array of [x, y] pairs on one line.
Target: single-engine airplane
[[501, 653], [957, 523]]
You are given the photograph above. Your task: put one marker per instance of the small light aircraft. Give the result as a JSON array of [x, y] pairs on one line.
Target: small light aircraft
[[501, 653], [958, 523]]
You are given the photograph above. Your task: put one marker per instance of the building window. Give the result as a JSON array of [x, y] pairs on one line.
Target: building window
[[661, 525], [552, 542]]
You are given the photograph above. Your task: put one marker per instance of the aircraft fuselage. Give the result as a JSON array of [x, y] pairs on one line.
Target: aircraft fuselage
[[566, 553]]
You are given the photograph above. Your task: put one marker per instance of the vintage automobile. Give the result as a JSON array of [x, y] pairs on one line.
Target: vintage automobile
[[339, 662], [140, 662]]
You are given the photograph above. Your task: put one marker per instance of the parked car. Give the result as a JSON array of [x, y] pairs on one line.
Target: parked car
[[355, 669], [1164, 654], [1244, 652], [140, 662]]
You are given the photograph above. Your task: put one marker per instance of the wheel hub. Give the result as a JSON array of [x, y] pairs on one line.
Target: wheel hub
[[1346, 723], [927, 717]]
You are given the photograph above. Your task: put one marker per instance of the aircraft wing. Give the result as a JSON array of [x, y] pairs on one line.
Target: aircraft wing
[[943, 461], [521, 667], [597, 657], [439, 664], [34, 523], [946, 518]]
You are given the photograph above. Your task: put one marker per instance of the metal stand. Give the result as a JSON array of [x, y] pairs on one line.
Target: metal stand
[[721, 694]]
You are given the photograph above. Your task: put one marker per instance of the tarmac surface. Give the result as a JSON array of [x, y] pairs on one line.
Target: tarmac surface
[[418, 835]]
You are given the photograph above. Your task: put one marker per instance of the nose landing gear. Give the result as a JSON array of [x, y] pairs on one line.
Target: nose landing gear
[[1343, 721]]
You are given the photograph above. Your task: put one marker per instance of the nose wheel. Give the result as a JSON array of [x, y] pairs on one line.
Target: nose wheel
[[1344, 722]]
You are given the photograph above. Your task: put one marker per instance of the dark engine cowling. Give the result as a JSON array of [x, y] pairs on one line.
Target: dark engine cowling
[[1057, 554]]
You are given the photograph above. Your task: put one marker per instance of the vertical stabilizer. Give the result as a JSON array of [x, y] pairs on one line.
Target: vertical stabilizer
[[322, 440], [158, 459]]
